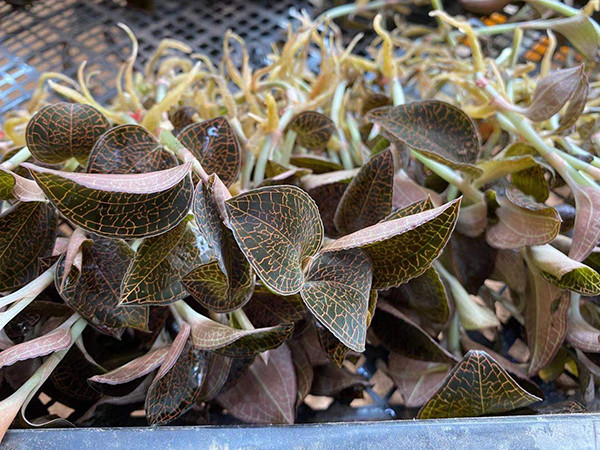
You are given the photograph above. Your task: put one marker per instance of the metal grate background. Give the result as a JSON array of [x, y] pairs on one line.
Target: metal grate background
[[58, 35]]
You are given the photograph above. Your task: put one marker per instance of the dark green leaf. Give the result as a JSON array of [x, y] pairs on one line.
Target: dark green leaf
[[477, 386], [160, 263], [129, 149], [337, 290], [426, 295], [317, 164], [127, 206], [183, 117], [368, 198], [267, 309], [27, 233], [401, 335], [314, 129], [215, 145], [94, 289], [403, 248], [277, 228], [439, 130], [177, 384], [64, 130], [472, 260], [225, 281]]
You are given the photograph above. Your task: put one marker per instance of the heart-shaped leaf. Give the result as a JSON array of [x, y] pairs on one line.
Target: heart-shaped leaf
[[316, 164], [94, 289], [160, 263], [545, 319], [401, 335], [130, 205], [277, 228], [553, 92], [314, 129], [564, 272], [267, 393], [210, 335], [27, 233], [477, 386], [267, 309], [16, 187], [177, 384], [439, 130], [368, 198], [129, 149], [522, 222], [215, 145], [337, 290], [426, 295], [64, 130], [224, 282], [403, 248]]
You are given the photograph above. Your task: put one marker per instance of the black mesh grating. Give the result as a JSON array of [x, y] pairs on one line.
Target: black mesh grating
[[58, 35]]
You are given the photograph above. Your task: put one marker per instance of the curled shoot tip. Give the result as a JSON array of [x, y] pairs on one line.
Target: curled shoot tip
[[387, 48], [465, 28], [129, 85]]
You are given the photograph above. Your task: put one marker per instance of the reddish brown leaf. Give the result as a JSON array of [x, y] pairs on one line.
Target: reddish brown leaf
[[267, 393]]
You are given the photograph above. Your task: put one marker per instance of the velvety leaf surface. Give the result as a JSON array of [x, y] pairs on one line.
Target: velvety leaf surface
[[553, 92], [27, 232], [368, 198], [219, 367], [337, 290], [225, 281], [131, 205], [303, 368], [545, 319], [129, 149], [183, 117], [61, 131], [215, 145], [176, 388], [472, 260], [586, 232], [401, 335], [331, 346], [327, 196], [564, 272], [160, 263], [277, 228], [403, 248], [426, 295], [317, 164], [476, 386], [267, 309], [314, 129], [439, 130], [94, 290], [208, 334], [267, 393]]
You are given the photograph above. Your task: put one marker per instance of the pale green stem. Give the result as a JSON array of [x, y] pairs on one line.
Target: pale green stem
[[451, 177], [578, 164], [247, 168], [398, 92], [30, 290], [574, 149], [271, 140], [514, 57], [21, 156], [172, 143], [242, 319], [288, 147], [71, 165], [336, 108], [454, 336], [356, 140], [437, 5]]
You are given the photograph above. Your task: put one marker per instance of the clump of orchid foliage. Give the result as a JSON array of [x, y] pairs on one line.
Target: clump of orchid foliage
[[230, 240]]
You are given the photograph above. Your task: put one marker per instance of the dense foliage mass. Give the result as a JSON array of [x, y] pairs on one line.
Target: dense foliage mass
[[229, 240]]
